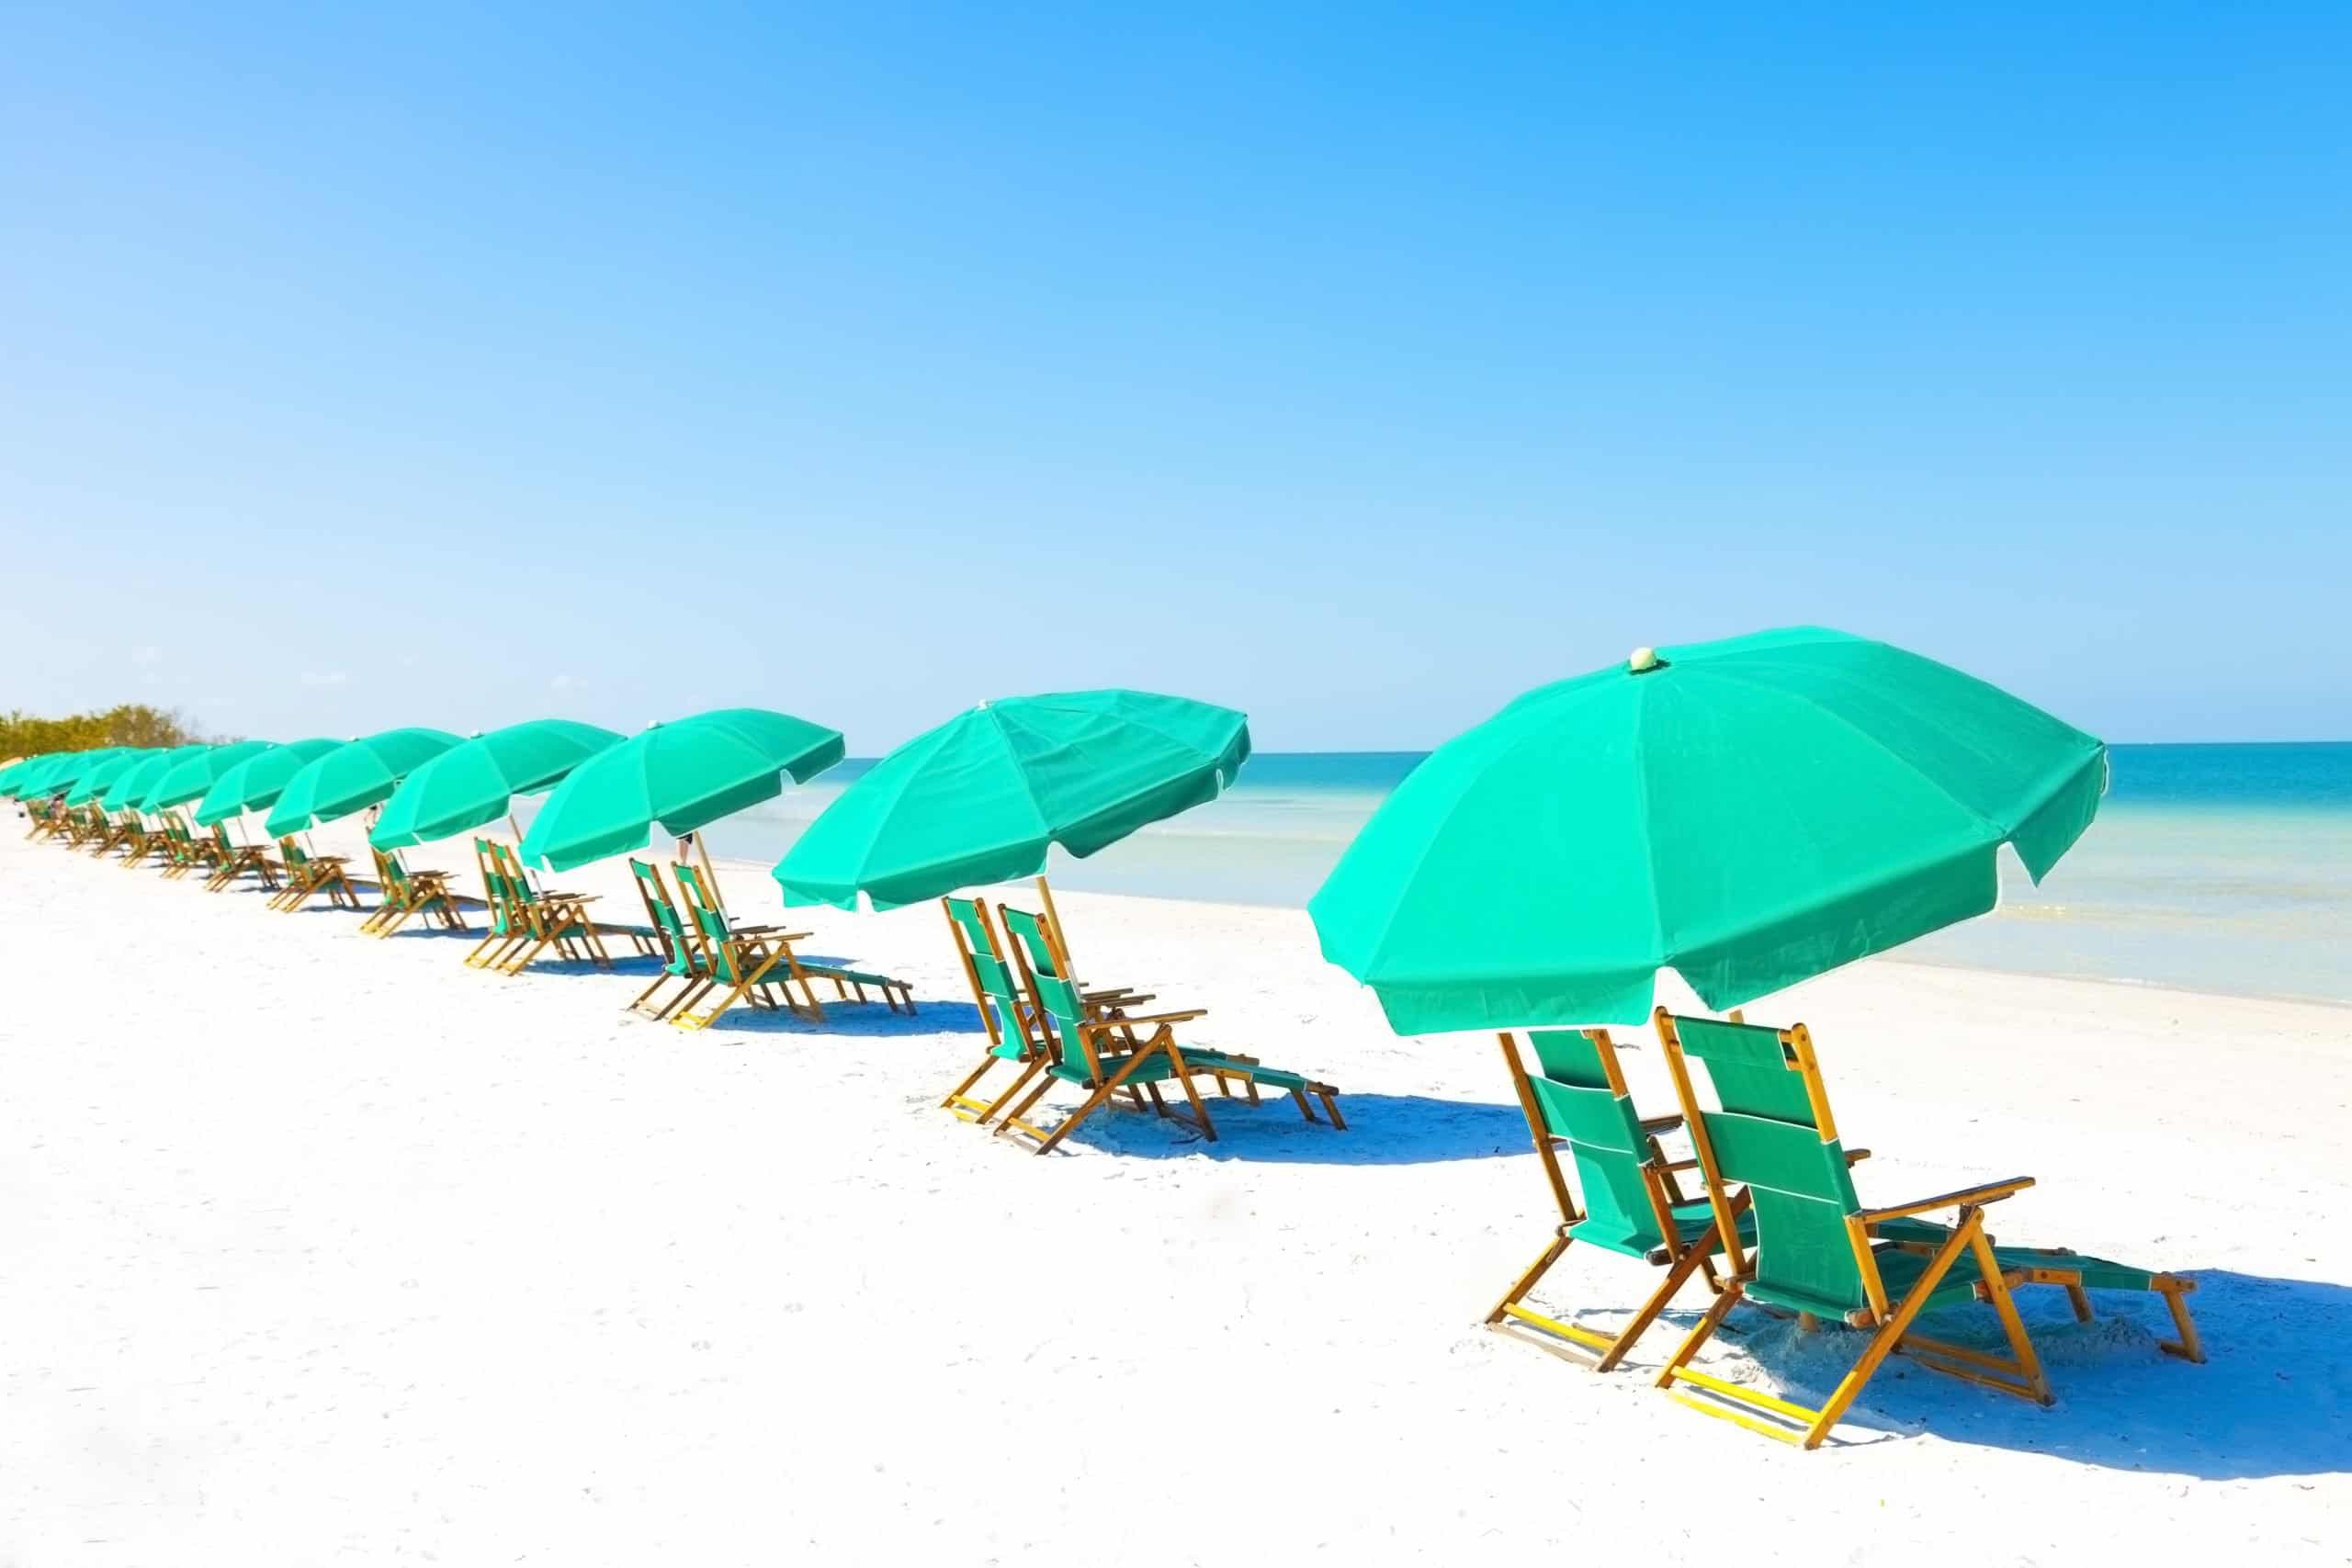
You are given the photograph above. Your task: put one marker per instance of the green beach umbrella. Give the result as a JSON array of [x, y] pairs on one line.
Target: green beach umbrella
[[1750, 813], [471, 785], [681, 775], [259, 780], [66, 769], [24, 778], [193, 779], [354, 776], [980, 799], [130, 788], [94, 781]]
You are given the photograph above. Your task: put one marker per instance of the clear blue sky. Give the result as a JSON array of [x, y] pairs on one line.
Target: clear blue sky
[[1360, 366]]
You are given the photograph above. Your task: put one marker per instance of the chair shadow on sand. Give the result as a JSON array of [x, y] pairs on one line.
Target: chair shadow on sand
[[2268, 1401], [1382, 1129]]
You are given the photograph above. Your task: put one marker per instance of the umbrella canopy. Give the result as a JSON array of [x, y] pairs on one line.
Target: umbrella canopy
[[193, 778], [1750, 813], [470, 785], [26, 779], [979, 798], [681, 775], [23, 778], [96, 781], [259, 780], [129, 791], [354, 776], [66, 768]]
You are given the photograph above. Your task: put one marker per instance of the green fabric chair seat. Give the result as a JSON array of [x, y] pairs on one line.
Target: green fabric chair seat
[[1899, 1271], [1157, 1070]]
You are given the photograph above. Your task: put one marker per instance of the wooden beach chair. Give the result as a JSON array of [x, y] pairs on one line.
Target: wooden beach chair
[[546, 919], [682, 960], [307, 874], [509, 924], [757, 963], [403, 893], [146, 841], [47, 817], [1634, 1206], [234, 860], [1106, 1051], [118, 834], [1017, 1036], [185, 851], [1820, 1253]]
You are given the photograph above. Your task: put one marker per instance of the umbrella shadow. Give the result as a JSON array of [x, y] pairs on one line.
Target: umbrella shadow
[[2269, 1400], [642, 964], [864, 1019], [1382, 1130]]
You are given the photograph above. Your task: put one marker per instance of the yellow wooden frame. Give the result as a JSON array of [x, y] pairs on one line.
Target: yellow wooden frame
[[692, 952], [960, 1099], [428, 892], [312, 874], [550, 918], [1889, 1322], [235, 860], [1114, 1005], [1659, 1186]]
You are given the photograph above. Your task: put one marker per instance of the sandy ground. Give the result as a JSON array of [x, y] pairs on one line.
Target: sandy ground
[[324, 1250]]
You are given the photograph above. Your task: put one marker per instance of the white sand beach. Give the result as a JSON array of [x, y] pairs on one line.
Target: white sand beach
[[326, 1249]]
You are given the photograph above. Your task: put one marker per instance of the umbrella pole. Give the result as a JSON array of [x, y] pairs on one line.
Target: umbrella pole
[[530, 873], [692, 845], [1054, 924]]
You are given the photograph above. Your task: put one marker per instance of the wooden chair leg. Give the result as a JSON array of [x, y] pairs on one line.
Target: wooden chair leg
[[1676, 1276], [1890, 1334], [2189, 1346], [1534, 1272], [1700, 1333]]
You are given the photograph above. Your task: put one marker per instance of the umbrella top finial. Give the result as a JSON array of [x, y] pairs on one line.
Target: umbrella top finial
[[1642, 661]]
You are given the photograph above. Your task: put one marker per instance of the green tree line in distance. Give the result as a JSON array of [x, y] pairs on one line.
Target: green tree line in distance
[[126, 724]]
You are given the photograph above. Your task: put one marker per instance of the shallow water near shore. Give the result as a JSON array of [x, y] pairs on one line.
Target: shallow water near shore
[[2211, 867]]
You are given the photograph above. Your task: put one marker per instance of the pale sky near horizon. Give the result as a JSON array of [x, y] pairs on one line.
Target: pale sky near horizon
[[1359, 368]]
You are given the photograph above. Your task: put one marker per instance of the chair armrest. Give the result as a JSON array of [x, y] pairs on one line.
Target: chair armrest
[[1656, 1124], [1156, 1018], [1682, 1164], [1967, 1196], [1124, 999], [1856, 1157]]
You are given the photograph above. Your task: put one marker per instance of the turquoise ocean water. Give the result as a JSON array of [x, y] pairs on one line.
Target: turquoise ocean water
[[2214, 867]]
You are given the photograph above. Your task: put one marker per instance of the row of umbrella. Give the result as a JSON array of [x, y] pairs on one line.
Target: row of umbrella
[[1750, 812]]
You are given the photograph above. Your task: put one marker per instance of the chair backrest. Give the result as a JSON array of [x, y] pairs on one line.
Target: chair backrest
[[292, 850], [718, 941], [220, 837], [1580, 1094], [519, 891], [975, 934], [391, 876], [663, 912], [1775, 1136], [493, 884], [1055, 994]]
